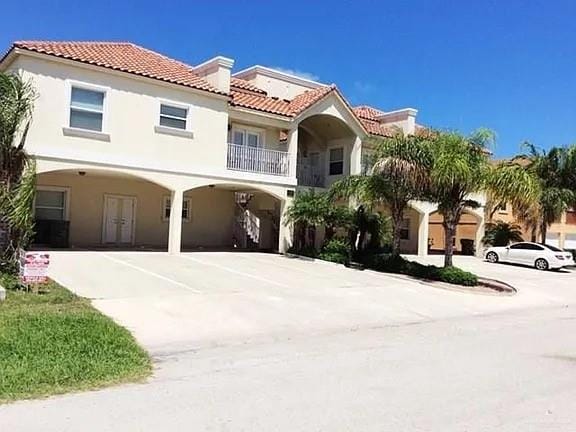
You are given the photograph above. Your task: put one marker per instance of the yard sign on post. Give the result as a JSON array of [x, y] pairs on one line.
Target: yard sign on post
[[34, 267]]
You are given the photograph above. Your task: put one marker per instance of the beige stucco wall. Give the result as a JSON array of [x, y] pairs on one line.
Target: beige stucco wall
[[278, 87], [131, 114], [211, 217], [86, 206], [466, 229]]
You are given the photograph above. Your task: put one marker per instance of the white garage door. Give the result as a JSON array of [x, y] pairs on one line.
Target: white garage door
[[570, 241], [553, 239]]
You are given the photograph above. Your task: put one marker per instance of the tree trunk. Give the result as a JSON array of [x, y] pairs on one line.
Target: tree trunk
[[543, 232], [450, 223], [397, 219], [328, 233]]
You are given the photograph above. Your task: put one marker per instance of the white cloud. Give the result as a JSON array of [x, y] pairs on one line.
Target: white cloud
[[363, 87], [298, 73]]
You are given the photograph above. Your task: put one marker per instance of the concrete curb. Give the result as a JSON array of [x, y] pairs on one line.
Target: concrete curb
[[310, 259]]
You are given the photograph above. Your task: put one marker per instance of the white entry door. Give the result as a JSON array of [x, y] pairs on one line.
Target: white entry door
[[119, 218]]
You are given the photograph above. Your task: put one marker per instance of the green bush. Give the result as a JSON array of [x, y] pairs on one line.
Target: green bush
[[336, 250], [389, 263], [9, 282], [307, 251], [457, 276]]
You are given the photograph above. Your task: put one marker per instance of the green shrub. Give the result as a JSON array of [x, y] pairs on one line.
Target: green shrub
[[307, 251], [9, 281], [390, 263], [336, 250], [457, 276]]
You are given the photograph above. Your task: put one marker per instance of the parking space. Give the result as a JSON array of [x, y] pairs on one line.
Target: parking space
[[205, 299]]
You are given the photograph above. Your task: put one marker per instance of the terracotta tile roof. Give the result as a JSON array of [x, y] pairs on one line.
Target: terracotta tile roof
[[125, 57], [240, 84], [284, 107], [310, 97], [367, 112], [375, 128]]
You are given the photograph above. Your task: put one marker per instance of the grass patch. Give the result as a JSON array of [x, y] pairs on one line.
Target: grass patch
[[56, 342]]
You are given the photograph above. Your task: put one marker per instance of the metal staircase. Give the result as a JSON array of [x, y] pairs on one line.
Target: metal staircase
[[246, 223]]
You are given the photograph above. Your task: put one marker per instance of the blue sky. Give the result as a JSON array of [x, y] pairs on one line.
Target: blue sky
[[509, 65]]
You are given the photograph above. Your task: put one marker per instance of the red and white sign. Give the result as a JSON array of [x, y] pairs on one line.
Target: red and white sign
[[34, 267]]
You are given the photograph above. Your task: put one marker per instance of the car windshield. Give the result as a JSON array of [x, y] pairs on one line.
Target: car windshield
[[552, 248]]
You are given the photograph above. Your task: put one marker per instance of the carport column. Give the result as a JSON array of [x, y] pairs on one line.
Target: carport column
[[175, 231], [423, 225], [293, 150], [480, 226], [356, 157], [285, 231]]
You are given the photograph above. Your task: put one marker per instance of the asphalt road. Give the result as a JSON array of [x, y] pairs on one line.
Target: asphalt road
[[514, 371]]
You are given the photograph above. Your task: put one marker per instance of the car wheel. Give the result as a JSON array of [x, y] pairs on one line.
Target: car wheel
[[541, 264], [492, 257]]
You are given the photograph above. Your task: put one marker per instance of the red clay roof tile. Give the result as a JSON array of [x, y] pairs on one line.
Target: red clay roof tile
[[125, 57]]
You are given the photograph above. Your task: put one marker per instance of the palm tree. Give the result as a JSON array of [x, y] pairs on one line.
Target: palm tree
[[398, 176], [461, 169], [502, 233], [555, 174], [16, 168]]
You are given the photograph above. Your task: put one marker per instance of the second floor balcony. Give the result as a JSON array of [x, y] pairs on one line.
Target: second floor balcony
[[258, 160]]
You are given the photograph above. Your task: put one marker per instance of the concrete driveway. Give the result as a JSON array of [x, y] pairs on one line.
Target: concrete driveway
[[187, 301]]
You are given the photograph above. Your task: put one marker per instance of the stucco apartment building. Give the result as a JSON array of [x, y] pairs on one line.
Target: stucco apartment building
[[561, 233], [135, 149]]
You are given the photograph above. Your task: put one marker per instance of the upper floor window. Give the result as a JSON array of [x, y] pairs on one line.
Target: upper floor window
[[173, 116], [247, 137], [87, 109], [336, 161]]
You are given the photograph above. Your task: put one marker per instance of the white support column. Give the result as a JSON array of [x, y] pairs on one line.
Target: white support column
[[285, 231], [356, 157], [175, 230], [293, 150], [423, 224], [480, 226]]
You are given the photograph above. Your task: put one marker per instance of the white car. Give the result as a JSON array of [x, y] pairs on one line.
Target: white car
[[541, 256]]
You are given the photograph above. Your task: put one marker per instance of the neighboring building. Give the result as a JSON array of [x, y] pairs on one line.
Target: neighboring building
[[561, 233], [135, 149]]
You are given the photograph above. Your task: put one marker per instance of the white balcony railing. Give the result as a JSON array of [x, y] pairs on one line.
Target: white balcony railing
[[258, 160], [309, 175]]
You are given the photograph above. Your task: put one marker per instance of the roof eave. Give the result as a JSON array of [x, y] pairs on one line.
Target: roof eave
[[91, 66]]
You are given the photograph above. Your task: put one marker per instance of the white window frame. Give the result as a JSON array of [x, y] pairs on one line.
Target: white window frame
[[174, 104], [246, 130], [166, 199], [66, 191], [87, 86], [343, 160]]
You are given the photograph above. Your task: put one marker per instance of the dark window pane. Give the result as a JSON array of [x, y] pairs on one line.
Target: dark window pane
[[173, 111], [172, 122], [336, 168], [86, 120], [49, 214]]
